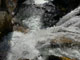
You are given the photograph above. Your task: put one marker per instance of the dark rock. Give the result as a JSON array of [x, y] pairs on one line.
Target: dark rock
[[63, 42], [3, 5], [23, 59], [20, 29], [11, 5], [7, 5], [53, 57], [50, 16], [5, 23], [20, 4], [0, 2]]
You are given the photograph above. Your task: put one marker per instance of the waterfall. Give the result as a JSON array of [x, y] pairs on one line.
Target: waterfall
[[62, 40], [30, 16], [33, 23]]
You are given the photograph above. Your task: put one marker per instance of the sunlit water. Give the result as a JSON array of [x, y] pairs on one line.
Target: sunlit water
[[40, 1]]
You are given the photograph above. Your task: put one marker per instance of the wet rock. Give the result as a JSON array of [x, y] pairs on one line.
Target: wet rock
[[8, 5], [52, 57], [3, 6], [49, 17], [0, 2], [21, 4], [23, 59], [11, 5], [5, 23], [20, 29], [64, 42]]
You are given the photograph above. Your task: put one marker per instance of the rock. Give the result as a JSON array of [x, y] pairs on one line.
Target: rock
[[20, 29], [11, 5], [5, 23], [3, 5], [52, 57], [49, 17], [66, 58], [0, 2], [8, 5], [23, 59], [21, 3], [64, 42]]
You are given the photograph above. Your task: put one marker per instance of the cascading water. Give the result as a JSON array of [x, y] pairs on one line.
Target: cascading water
[[31, 17], [38, 43]]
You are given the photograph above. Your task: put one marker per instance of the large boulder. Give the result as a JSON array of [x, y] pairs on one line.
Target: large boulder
[[5, 23], [0, 2]]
